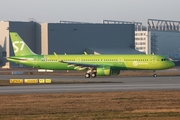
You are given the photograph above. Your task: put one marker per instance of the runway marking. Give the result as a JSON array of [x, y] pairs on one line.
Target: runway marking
[[85, 88], [117, 84], [16, 80]]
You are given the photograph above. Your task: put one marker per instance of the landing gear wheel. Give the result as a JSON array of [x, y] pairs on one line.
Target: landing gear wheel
[[93, 75], [87, 75], [155, 75]]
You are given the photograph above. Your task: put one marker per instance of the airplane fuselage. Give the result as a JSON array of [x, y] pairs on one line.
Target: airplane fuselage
[[121, 62], [95, 65]]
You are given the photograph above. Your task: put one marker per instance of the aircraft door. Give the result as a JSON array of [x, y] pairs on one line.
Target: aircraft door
[[120, 60], [154, 60], [78, 60], [35, 59]]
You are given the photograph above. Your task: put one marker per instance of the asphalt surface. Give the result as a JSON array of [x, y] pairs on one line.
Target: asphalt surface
[[98, 84]]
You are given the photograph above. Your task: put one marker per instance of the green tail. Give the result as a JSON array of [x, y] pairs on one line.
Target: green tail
[[19, 46]]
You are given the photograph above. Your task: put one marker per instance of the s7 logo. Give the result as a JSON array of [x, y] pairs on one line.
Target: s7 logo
[[18, 45]]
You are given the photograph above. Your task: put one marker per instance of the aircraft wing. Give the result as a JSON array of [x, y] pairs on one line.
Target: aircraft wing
[[80, 66]]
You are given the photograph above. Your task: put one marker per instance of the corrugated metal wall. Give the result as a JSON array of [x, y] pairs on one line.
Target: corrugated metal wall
[[165, 43], [75, 38]]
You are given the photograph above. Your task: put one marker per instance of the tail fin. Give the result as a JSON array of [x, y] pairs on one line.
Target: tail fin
[[19, 46]]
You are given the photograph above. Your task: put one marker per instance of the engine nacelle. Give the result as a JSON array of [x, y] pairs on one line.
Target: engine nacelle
[[103, 71], [106, 71]]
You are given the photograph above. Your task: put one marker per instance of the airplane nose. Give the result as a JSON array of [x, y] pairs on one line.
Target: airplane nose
[[172, 64]]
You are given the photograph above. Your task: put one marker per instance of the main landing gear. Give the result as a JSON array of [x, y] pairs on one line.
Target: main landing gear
[[91, 72], [93, 75]]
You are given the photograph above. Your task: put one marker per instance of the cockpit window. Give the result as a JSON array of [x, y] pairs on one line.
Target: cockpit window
[[165, 59]]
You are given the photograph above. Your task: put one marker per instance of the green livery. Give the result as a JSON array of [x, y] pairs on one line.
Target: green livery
[[101, 65]]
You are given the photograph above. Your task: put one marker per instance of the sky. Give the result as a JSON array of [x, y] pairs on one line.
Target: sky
[[93, 11]]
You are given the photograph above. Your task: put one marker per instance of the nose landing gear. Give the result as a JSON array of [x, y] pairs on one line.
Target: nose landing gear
[[154, 75]]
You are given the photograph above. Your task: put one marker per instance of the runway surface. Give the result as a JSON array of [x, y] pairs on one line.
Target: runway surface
[[105, 84]]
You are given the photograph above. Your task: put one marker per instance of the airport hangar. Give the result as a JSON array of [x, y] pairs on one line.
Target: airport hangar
[[110, 37], [66, 37], [156, 37], [159, 37]]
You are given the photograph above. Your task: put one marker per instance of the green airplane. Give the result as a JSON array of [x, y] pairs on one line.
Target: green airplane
[[95, 65]]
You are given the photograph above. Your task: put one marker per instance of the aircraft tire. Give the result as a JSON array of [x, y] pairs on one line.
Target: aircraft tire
[[93, 75], [87, 75], [155, 75]]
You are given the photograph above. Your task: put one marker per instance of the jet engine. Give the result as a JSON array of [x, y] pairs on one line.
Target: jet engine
[[106, 71], [103, 71]]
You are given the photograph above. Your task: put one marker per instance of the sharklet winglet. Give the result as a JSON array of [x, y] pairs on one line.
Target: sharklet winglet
[[85, 53], [60, 60]]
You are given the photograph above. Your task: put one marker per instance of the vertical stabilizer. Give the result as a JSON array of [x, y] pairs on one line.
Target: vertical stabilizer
[[19, 46]]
